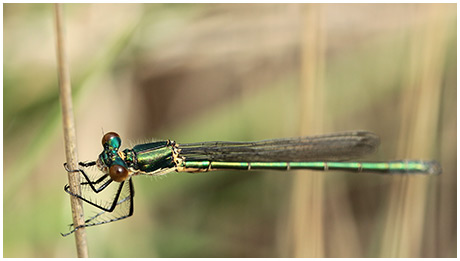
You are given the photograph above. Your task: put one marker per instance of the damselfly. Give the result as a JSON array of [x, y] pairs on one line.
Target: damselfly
[[325, 152]]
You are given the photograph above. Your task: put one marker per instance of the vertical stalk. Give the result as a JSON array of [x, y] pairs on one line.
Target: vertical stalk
[[414, 197], [306, 217], [69, 134]]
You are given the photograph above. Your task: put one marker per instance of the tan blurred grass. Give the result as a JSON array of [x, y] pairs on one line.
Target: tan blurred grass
[[412, 196], [306, 217]]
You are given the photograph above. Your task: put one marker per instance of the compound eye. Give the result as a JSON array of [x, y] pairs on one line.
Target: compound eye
[[118, 173], [112, 139]]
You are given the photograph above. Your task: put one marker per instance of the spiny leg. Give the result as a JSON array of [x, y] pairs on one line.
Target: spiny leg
[[96, 190], [129, 198], [89, 182], [113, 204]]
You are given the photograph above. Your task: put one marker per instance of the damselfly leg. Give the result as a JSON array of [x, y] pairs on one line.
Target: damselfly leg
[[88, 180], [113, 198]]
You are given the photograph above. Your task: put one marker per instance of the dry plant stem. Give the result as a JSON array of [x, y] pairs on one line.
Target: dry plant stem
[[69, 135], [412, 198], [306, 224]]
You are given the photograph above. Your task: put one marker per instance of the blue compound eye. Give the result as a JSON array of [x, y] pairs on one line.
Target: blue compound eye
[[111, 140]]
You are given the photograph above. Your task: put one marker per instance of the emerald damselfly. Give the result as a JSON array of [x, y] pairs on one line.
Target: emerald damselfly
[[325, 152]]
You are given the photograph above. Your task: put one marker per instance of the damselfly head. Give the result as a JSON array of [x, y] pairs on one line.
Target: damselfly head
[[110, 161], [111, 142]]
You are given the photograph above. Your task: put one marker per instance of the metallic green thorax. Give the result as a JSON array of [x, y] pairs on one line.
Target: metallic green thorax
[[150, 157]]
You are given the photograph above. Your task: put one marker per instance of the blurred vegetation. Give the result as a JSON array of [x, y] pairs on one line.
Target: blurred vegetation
[[199, 72]]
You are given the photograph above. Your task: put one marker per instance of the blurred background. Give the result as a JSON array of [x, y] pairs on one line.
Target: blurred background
[[236, 72]]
